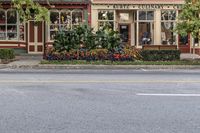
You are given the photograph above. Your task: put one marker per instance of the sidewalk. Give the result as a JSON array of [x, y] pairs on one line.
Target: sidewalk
[[33, 62]]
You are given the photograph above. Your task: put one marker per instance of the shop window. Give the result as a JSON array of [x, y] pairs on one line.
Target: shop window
[[196, 41], [168, 15], [77, 18], [168, 21], [146, 15], [64, 20], [183, 40], [10, 29], [2, 25], [145, 27], [106, 18], [11, 25], [168, 37], [146, 32]]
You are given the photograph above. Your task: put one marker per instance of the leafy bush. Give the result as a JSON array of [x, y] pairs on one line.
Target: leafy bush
[[66, 41], [7, 54], [132, 52], [160, 55], [108, 39]]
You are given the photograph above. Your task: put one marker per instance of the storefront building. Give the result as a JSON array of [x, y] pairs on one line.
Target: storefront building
[[142, 22], [32, 38]]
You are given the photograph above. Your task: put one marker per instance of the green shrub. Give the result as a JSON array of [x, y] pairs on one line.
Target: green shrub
[[160, 55], [7, 54]]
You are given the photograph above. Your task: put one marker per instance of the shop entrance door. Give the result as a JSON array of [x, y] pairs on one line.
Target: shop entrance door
[[124, 30], [35, 37], [184, 43]]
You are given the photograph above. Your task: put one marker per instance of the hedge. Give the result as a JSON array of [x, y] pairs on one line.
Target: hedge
[[7, 54], [160, 55]]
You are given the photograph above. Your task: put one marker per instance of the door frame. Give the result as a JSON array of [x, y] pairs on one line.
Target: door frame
[[35, 46], [129, 31]]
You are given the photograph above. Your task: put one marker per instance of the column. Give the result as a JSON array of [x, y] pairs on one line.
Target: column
[[157, 27]]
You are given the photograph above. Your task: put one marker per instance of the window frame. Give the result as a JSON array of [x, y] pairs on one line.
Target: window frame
[[173, 21], [60, 25], [17, 25], [138, 21], [104, 21]]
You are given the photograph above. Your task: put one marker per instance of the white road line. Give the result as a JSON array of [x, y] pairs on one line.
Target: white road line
[[169, 95]]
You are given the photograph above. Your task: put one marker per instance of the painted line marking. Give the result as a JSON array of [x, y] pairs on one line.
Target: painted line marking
[[168, 95], [98, 81]]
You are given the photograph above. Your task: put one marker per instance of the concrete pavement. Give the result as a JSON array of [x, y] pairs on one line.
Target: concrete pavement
[[33, 62], [99, 101]]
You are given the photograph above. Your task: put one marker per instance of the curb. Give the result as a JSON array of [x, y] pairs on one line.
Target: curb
[[39, 66]]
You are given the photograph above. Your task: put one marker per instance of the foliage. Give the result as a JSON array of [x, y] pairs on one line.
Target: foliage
[[83, 37], [66, 41], [30, 10], [108, 39], [133, 52], [160, 55], [86, 37], [188, 20], [7, 54]]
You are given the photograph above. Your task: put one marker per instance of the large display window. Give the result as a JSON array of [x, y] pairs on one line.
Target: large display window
[[168, 21], [106, 18], [64, 20], [145, 27], [10, 27]]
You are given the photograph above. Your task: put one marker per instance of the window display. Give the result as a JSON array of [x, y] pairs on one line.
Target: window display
[[168, 21], [146, 27], [106, 18], [9, 27], [64, 20]]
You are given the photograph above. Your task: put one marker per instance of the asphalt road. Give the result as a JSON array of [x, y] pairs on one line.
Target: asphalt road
[[99, 101]]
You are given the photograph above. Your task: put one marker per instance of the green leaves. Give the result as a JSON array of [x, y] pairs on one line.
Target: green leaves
[[84, 37], [29, 10], [189, 21]]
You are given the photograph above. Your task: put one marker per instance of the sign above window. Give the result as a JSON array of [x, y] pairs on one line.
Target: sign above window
[[144, 6], [124, 16]]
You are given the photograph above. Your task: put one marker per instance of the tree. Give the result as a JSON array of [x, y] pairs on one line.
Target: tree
[[189, 19], [30, 10]]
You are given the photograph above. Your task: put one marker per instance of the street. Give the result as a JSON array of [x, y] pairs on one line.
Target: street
[[99, 101]]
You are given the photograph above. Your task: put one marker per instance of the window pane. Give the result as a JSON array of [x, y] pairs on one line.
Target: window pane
[[167, 36], [12, 36], [12, 28], [12, 17], [183, 40], [21, 31], [2, 32], [52, 34], [2, 17], [77, 18], [54, 27], [105, 15], [142, 15], [110, 25], [145, 33], [172, 15], [54, 17], [168, 15], [150, 15], [65, 17]]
